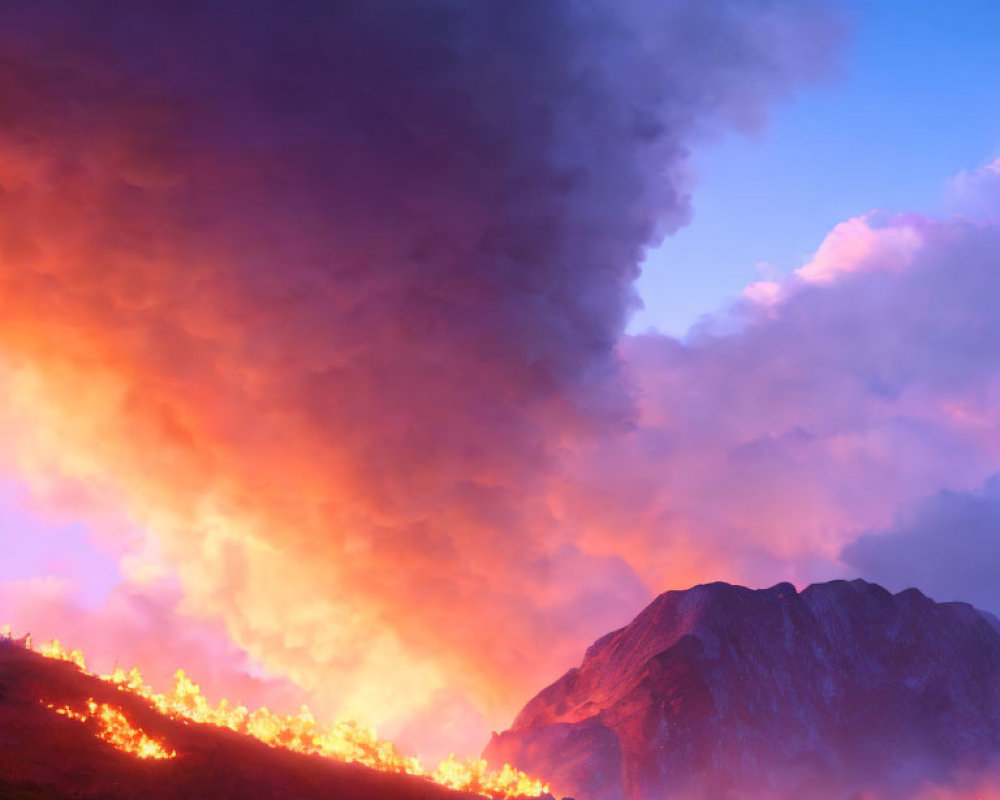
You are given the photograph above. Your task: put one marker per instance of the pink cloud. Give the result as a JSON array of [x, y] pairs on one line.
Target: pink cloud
[[761, 451], [975, 193], [872, 241]]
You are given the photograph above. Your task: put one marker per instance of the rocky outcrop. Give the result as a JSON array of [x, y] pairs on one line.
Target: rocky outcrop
[[841, 691]]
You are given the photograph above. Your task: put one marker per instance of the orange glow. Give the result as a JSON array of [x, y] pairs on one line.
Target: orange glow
[[116, 730], [343, 741]]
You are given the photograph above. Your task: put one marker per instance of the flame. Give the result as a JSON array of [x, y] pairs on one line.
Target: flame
[[344, 740], [55, 650], [116, 730]]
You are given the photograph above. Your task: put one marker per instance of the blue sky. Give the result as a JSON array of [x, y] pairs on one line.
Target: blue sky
[[916, 101]]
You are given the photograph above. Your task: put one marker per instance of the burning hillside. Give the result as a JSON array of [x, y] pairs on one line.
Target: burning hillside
[[137, 739]]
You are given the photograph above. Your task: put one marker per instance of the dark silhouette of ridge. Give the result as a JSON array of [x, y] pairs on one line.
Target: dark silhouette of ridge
[[45, 756], [841, 691]]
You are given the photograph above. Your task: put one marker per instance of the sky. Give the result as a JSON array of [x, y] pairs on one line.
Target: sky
[[911, 104], [322, 363]]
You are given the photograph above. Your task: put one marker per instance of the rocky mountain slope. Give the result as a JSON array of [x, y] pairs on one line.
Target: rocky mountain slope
[[841, 691]]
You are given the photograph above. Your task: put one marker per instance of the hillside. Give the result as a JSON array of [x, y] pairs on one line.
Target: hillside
[[45, 755]]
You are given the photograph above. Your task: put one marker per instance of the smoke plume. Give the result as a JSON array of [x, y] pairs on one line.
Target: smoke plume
[[329, 293]]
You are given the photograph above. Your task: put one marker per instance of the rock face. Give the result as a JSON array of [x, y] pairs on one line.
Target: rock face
[[841, 691]]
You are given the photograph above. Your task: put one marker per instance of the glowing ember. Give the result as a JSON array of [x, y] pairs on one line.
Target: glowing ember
[[343, 741], [116, 730]]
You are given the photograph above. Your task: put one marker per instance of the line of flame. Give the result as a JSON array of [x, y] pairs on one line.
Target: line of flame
[[345, 740], [116, 730]]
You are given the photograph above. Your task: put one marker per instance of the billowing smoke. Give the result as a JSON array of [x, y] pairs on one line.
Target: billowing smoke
[[949, 544], [330, 293], [819, 410]]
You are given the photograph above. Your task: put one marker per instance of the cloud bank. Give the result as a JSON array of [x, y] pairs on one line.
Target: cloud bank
[[812, 414], [330, 294], [948, 543]]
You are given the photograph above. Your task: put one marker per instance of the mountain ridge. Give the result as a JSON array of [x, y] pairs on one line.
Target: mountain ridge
[[721, 691]]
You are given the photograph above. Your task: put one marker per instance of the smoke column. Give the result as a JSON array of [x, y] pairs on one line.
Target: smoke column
[[326, 292]]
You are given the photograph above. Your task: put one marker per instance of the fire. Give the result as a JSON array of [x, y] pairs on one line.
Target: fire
[[55, 650], [301, 733], [116, 730]]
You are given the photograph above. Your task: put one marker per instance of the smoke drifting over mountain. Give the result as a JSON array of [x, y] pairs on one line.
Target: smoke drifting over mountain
[[328, 293], [947, 543], [814, 413]]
